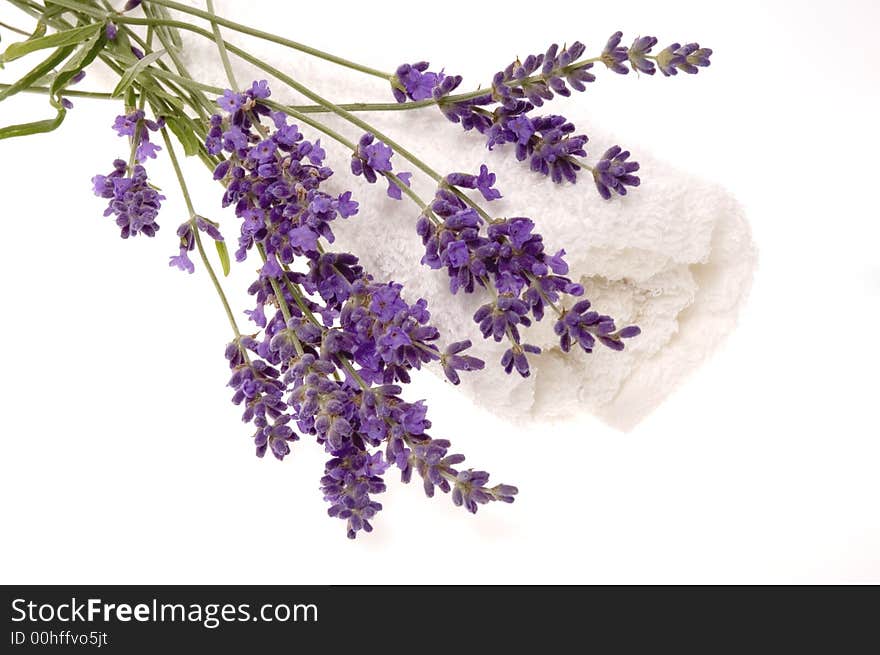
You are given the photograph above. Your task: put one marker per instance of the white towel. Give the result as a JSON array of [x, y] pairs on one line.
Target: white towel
[[675, 256]]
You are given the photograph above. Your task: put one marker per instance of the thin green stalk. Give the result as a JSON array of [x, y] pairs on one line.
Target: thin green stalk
[[192, 217], [221, 46], [198, 102], [14, 29], [73, 93], [189, 83], [266, 36]]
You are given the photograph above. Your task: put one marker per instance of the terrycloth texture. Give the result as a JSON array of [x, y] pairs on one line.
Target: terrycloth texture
[[675, 257]]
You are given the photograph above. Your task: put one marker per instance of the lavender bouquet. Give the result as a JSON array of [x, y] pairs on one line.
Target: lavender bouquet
[[331, 346]]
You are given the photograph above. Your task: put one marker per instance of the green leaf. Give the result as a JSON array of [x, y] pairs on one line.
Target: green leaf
[[57, 40], [86, 54], [39, 30], [37, 72], [132, 72], [185, 134], [57, 7], [224, 256], [37, 127], [172, 32]]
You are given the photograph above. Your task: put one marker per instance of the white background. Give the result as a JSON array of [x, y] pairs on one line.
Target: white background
[[123, 461]]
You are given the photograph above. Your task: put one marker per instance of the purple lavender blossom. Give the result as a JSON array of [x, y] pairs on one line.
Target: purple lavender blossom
[[350, 479], [638, 54], [394, 190], [258, 388], [188, 241], [370, 158], [688, 58], [613, 55], [615, 173], [484, 182], [133, 202], [582, 326], [453, 361], [137, 127], [182, 261], [415, 82]]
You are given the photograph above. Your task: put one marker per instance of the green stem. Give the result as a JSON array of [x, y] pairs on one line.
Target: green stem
[[198, 239], [266, 36], [221, 46], [188, 83], [73, 93], [14, 29], [199, 103]]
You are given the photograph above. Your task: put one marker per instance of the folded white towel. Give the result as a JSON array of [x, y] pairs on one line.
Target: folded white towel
[[674, 257]]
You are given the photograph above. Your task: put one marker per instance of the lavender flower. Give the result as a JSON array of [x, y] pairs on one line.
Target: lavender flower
[[688, 58], [258, 388], [639, 52], [350, 478], [372, 158], [415, 82], [615, 173], [582, 326], [188, 241], [613, 55], [484, 182], [133, 202]]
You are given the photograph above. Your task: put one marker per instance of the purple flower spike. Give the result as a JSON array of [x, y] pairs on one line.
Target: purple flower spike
[[582, 326], [134, 204], [615, 173]]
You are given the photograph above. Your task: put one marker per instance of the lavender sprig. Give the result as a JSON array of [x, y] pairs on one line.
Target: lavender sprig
[[504, 113], [333, 339]]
